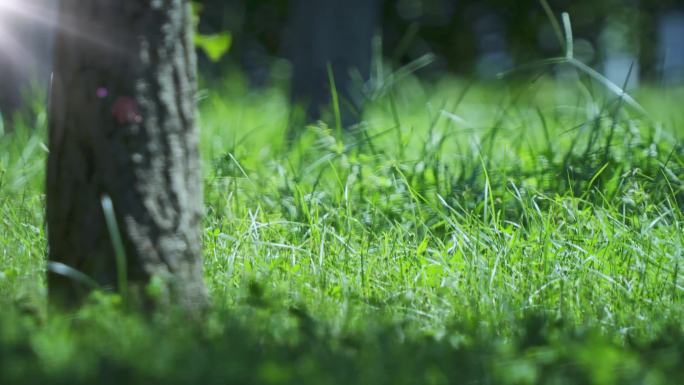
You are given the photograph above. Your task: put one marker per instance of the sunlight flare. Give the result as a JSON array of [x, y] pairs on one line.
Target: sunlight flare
[[19, 21]]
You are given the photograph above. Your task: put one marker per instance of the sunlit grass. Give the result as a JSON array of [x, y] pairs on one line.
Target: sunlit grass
[[502, 233]]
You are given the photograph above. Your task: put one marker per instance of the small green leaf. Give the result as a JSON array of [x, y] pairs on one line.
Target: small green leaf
[[215, 46]]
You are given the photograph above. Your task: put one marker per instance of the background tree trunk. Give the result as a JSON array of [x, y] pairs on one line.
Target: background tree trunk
[[122, 125], [332, 32]]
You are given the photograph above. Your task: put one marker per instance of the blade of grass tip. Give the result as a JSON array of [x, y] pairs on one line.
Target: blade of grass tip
[[48, 107], [71, 273], [405, 42], [614, 88], [569, 44], [335, 101], [397, 123], [488, 198], [117, 244], [389, 82], [532, 66], [554, 22], [376, 61], [593, 180], [411, 67], [669, 185]]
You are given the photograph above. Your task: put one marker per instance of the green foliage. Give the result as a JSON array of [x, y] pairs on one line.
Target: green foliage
[[494, 234], [215, 45]]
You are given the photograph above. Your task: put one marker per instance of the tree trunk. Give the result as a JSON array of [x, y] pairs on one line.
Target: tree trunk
[[336, 33], [122, 126], [648, 35]]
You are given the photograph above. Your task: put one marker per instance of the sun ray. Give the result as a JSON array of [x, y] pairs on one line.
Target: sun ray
[[24, 34], [12, 50], [40, 11], [46, 14]]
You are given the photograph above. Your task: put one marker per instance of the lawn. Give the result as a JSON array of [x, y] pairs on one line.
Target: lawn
[[508, 232]]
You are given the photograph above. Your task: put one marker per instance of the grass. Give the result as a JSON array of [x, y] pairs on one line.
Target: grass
[[498, 233]]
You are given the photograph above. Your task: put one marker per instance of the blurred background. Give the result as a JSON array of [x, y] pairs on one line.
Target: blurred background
[[305, 45], [466, 37]]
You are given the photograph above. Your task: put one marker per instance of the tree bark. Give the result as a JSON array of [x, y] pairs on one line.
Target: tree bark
[[122, 125]]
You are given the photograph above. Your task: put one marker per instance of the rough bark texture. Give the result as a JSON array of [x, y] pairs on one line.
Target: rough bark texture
[[122, 124], [332, 32]]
